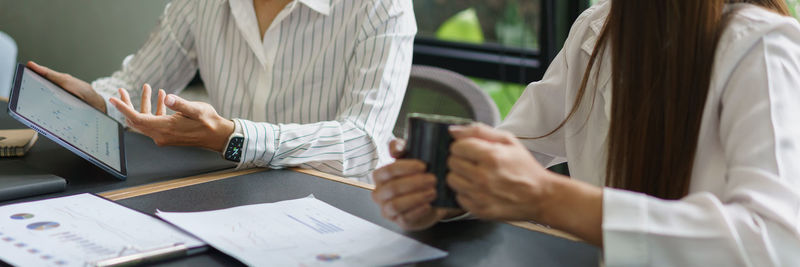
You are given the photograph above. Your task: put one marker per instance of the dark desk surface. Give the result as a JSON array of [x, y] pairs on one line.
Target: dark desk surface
[[147, 163], [470, 243]]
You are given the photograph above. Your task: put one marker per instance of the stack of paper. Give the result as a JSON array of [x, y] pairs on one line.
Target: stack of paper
[[83, 230], [79, 231]]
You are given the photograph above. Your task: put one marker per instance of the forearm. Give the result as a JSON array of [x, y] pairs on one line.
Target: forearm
[[573, 206], [335, 147]]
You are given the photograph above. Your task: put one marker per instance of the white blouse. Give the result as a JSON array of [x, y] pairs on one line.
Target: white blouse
[[321, 89], [743, 208]]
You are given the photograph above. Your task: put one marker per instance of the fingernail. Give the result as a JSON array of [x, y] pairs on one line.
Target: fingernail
[[455, 128], [398, 146], [170, 100]]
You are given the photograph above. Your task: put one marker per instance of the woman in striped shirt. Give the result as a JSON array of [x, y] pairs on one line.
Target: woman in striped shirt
[[310, 83]]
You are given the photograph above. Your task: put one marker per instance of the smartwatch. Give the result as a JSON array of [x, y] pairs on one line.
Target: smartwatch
[[233, 149]]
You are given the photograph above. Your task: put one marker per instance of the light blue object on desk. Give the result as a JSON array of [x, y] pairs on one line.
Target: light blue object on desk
[[8, 59]]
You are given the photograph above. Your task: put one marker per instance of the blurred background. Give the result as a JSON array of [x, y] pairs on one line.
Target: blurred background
[[501, 44]]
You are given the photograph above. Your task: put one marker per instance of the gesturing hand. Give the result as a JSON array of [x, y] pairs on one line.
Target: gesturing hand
[[193, 124], [494, 175]]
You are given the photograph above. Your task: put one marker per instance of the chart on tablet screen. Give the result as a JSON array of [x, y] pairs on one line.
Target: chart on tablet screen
[[84, 128]]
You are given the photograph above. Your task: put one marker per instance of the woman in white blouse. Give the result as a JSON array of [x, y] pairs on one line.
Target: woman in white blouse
[[680, 123], [308, 83]]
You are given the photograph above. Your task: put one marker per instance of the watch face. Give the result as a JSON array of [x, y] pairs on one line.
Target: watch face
[[234, 150]]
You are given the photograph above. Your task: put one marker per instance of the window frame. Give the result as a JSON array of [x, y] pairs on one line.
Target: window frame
[[504, 63]]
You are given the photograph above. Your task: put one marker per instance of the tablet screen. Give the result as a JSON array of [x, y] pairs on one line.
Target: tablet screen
[[67, 119]]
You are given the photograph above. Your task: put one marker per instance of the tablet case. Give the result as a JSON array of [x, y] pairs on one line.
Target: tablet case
[[18, 180]]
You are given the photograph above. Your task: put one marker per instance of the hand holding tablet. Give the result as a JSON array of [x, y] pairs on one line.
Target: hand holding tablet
[[77, 87], [67, 120]]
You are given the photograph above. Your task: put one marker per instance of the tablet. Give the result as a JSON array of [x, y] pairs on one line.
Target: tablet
[[68, 121]]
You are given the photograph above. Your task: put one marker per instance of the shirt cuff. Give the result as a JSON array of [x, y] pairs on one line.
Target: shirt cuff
[[111, 111], [260, 144], [625, 228], [466, 216]]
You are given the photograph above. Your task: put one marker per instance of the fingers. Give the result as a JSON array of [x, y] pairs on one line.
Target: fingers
[[126, 109], [397, 148], [481, 131], [47, 73], [403, 167], [187, 108], [146, 93], [463, 167], [406, 203], [403, 186], [459, 183], [412, 216], [472, 149], [161, 108], [125, 97]]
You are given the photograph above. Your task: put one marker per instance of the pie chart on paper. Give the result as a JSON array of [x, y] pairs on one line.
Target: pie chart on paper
[[39, 226], [21, 216]]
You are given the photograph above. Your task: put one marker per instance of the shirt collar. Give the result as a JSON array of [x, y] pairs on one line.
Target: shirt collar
[[244, 14], [321, 6]]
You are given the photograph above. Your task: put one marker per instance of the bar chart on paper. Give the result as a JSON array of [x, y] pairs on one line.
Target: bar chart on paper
[[300, 232], [317, 225]]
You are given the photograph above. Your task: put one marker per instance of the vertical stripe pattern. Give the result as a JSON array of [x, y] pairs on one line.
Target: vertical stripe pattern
[[320, 90]]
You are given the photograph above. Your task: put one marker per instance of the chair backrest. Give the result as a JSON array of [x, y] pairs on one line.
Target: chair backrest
[[438, 91], [8, 59]]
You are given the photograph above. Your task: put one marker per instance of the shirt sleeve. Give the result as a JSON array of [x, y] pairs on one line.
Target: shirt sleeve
[[167, 60], [545, 104], [540, 109], [755, 220], [354, 143]]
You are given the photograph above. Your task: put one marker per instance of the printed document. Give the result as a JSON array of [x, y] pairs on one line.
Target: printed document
[[80, 230], [300, 232]]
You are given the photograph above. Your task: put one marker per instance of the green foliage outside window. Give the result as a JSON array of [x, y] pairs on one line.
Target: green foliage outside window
[[794, 7], [510, 29]]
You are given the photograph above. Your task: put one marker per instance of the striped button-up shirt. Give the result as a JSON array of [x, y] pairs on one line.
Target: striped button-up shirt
[[321, 89]]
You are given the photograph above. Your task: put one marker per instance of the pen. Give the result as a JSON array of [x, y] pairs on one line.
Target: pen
[[158, 254]]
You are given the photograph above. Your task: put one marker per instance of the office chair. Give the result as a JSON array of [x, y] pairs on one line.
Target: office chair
[[433, 90], [8, 59]]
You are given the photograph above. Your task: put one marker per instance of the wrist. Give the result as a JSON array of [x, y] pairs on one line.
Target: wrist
[[97, 100], [573, 206], [548, 198], [224, 131]]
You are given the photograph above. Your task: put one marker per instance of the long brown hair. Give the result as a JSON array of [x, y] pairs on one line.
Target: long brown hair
[[662, 59]]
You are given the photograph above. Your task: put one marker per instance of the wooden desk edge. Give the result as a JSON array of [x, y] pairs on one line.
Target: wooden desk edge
[[225, 174], [4, 99], [141, 190]]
